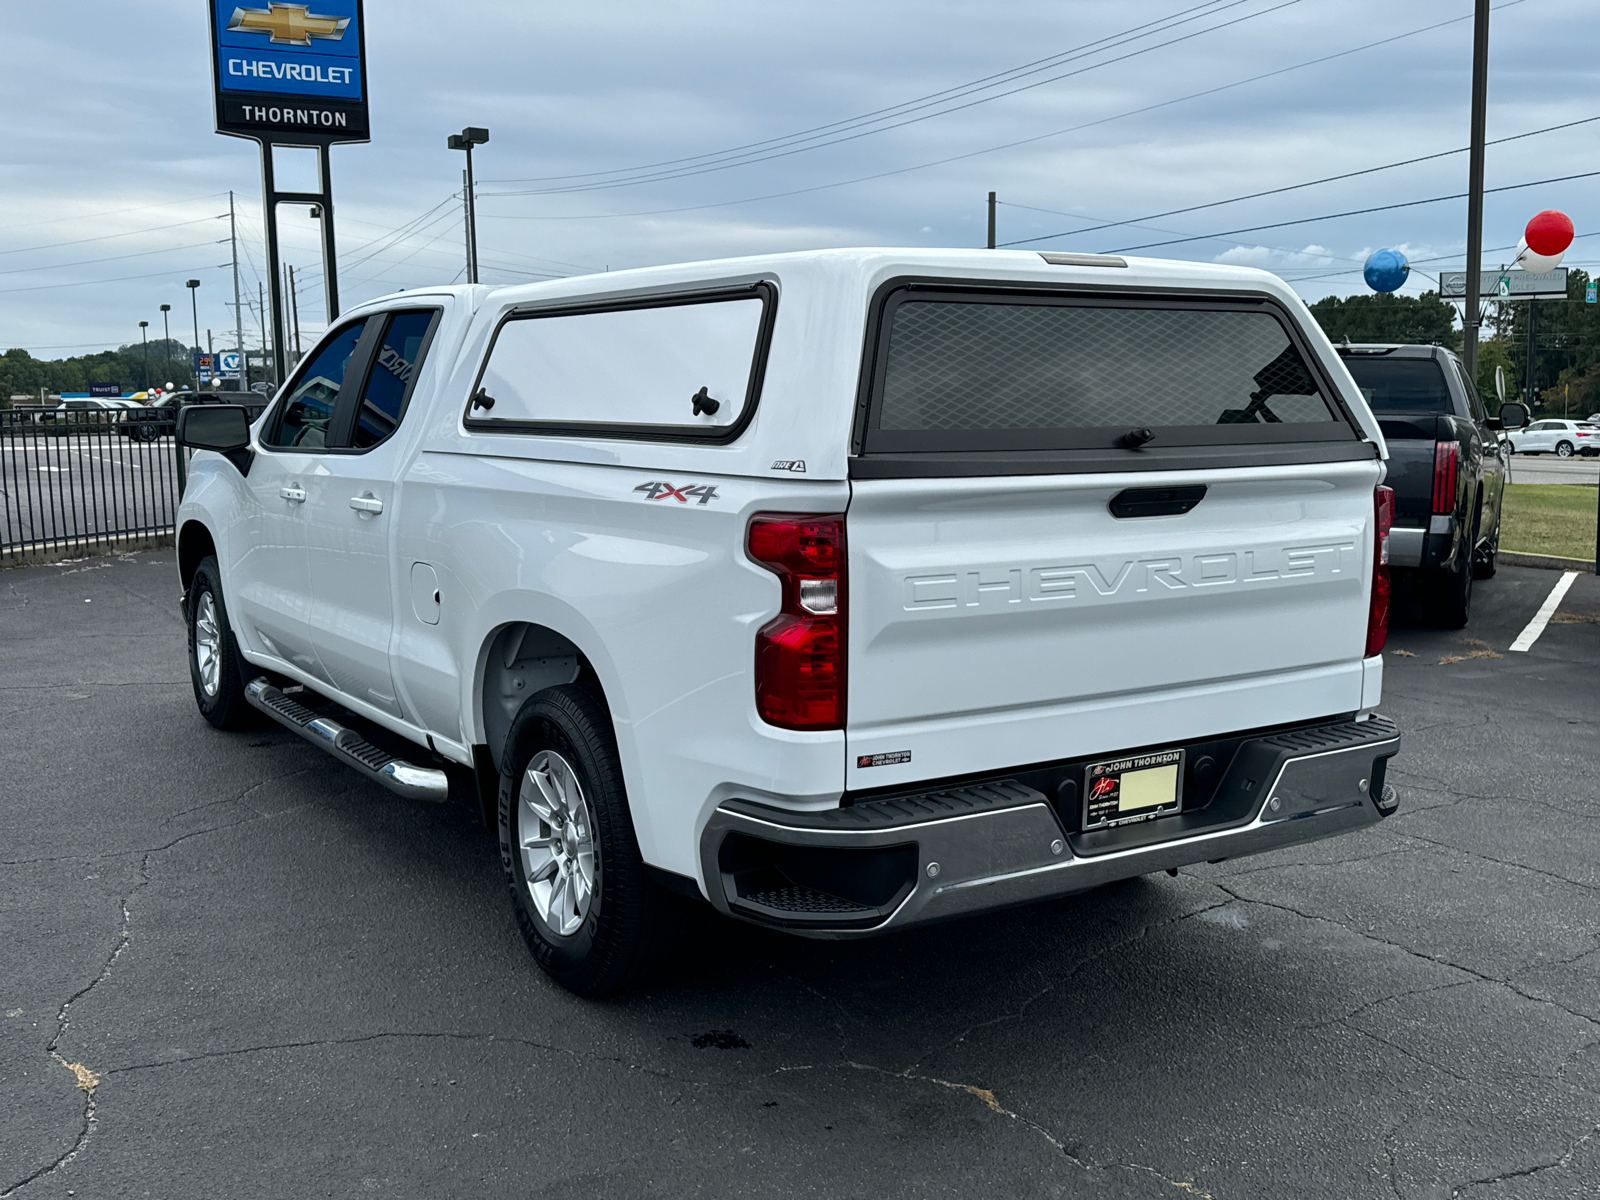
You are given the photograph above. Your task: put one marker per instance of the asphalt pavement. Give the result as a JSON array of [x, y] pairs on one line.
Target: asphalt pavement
[[233, 968], [1547, 468]]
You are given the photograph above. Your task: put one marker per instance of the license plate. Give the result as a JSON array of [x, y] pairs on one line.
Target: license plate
[[1122, 791]]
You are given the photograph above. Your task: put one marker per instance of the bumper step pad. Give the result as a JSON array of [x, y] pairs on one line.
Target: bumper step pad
[[349, 747]]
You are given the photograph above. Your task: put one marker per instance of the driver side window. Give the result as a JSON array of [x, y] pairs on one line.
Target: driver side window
[[308, 409]]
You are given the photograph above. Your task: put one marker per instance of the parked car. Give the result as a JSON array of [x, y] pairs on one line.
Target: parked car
[[1559, 437], [1447, 466], [81, 409], [843, 590], [158, 419]]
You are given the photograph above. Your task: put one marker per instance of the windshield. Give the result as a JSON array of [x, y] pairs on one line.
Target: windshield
[[1403, 385]]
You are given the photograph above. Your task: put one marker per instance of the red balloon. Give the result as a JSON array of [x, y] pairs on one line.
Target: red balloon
[[1550, 232]]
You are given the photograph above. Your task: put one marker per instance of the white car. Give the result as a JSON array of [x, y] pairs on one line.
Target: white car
[[843, 590], [1561, 438]]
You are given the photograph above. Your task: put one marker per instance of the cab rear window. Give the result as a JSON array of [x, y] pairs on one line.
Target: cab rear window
[[1400, 385], [969, 370]]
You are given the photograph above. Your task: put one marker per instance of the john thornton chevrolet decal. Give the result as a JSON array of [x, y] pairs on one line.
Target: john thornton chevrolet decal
[[287, 24], [883, 760]]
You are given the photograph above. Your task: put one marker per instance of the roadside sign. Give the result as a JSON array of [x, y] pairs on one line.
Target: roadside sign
[[1508, 285], [203, 364], [292, 74], [106, 390], [1591, 293], [230, 362]]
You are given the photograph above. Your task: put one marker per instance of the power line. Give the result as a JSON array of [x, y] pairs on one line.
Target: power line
[[1015, 72], [117, 212], [1406, 162], [87, 282], [108, 236], [1004, 145], [819, 141], [1354, 212], [113, 258]]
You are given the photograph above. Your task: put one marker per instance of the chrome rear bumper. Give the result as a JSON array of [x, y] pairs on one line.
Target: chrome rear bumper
[[960, 850]]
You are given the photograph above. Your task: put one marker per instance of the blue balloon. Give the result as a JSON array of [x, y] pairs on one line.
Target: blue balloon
[[1386, 270]]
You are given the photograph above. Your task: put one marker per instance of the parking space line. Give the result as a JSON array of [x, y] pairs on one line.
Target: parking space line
[[1535, 627]]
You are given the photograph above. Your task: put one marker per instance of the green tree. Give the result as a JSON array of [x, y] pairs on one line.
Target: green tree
[[1423, 319], [168, 361], [1566, 346]]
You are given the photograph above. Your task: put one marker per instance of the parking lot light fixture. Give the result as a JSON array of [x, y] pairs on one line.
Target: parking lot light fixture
[[166, 330], [144, 346], [194, 306], [472, 135]]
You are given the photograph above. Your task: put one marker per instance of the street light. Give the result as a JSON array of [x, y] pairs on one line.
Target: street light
[[166, 331], [194, 305], [472, 135], [144, 343]]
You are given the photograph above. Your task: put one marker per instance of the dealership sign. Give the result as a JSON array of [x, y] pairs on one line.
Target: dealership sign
[[290, 73]]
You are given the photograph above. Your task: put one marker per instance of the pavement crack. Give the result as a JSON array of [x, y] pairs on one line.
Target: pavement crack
[[1566, 1158], [1589, 887], [1431, 958]]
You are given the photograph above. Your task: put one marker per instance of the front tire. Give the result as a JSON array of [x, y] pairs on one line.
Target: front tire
[[216, 669], [588, 910]]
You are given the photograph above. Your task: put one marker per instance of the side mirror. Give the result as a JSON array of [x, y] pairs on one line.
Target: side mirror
[[221, 427], [1513, 415]]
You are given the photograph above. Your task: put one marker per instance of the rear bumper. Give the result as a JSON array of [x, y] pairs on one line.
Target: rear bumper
[[887, 864]]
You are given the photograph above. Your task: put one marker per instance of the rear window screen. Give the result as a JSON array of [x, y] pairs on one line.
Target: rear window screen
[[956, 366], [1400, 385]]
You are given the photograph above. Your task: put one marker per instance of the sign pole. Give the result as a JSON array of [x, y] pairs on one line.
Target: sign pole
[[330, 260], [269, 194]]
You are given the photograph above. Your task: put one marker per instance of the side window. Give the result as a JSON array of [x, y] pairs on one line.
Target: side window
[[308, 409], [685, 368], [1474, 401], [394, 370]]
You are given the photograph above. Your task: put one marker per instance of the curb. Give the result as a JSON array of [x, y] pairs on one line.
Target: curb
[[1549, 562], [71, 549]]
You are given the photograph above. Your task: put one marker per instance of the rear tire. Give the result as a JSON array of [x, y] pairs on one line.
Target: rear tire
[[1453, 602], [216, 669], [587, 908], [1487, 560], [1563, 449]]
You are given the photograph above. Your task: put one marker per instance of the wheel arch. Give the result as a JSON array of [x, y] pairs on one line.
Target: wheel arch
[[194, 544], [517, 659]]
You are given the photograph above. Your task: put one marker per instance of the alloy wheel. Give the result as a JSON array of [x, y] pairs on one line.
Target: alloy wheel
[[207, 644], [555, 831]]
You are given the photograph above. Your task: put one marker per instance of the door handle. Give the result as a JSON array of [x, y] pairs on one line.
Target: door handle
[[295, 495], [366, 504]]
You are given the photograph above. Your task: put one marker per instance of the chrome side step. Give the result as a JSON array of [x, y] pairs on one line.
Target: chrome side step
[[400, 777]]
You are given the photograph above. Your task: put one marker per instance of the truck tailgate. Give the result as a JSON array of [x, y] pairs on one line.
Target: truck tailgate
[[996, 622]]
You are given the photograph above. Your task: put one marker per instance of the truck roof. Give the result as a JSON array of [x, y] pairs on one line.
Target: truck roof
[[872, 264]]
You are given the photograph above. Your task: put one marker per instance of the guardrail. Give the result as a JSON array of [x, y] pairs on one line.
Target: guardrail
[[87, 479]]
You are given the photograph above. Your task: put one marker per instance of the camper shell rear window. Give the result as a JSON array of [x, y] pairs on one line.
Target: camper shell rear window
[[953, 370]]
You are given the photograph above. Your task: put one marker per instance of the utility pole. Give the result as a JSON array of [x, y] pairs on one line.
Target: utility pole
[[238, 303], [261, 309], [1480, 104], [294, 305], [991, 220]]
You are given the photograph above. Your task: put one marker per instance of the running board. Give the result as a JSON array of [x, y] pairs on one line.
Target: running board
[[400, 777]]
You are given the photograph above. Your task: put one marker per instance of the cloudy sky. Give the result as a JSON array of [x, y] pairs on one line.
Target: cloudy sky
[[815, 123]]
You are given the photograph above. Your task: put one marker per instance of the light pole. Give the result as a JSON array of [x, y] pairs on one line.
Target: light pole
[[1480, 104], [166, 331], [472, 135], [194, 307], [144, 344]]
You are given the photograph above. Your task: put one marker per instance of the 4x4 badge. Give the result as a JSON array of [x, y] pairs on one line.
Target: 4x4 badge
[[662, 491]]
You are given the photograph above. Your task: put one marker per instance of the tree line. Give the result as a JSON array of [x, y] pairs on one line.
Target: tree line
[[1566, 349], [134, 366]]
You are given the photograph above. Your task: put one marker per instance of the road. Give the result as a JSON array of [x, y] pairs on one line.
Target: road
[[76, 486], [1547, 468], [280, 980]]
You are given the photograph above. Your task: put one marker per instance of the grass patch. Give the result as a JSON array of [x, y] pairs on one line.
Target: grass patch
[[1549, 518]]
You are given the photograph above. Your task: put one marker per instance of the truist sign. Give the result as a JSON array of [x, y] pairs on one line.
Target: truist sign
[[293, 73]]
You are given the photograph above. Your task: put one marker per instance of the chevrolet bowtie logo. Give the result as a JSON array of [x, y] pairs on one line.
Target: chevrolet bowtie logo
[[288, 24]]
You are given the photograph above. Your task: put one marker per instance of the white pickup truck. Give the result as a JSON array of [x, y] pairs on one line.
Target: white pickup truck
[[845, 590]]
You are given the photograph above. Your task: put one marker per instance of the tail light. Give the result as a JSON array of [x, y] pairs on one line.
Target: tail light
[[800, 652], [1446, 459], [1378, 608]]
